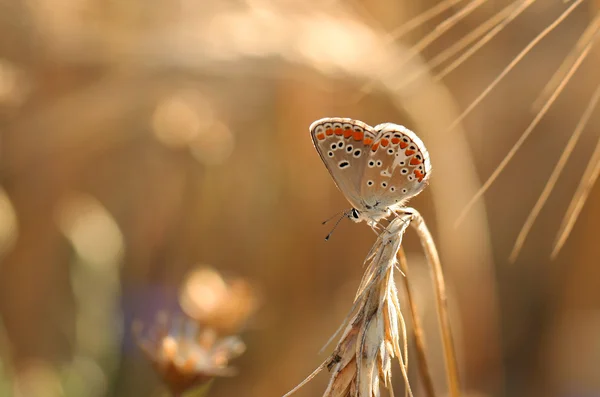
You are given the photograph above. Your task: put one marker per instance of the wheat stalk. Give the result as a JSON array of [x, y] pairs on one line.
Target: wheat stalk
[[376, 330]]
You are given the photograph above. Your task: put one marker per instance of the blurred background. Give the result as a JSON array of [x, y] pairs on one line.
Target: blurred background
[[140, 140]]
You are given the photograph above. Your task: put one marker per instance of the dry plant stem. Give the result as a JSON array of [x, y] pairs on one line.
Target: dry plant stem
[[525, 134], [513, 63], [417, 329], [418, 223], [581, 194], [560, 165]]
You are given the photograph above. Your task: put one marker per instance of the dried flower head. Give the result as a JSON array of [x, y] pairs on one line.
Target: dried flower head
[[184, 354], [375, 328], [214, 302]]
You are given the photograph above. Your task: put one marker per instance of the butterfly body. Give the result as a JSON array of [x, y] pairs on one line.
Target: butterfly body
[[377, 168]]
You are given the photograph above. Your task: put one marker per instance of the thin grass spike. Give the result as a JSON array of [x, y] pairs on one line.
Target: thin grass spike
[[524, 136], [587, 36], [588, 179], [485, 39], [430, 38], [422, 18], [472, 36], [513, 63], [462, 43], [564, 157]]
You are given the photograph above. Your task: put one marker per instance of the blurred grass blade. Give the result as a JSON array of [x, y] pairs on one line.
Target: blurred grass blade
[[464, 42], [524, 136], [516, 60], [581, 194], [489, 36], [556, 172], [442, 28], [422, 18], [587, 36], [472, 36]]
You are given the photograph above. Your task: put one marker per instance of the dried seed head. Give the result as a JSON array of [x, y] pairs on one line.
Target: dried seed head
[[375, 328], [184, 354], [214, 302]]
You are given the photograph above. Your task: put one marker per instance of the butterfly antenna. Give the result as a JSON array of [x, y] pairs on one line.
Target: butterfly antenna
[[333, 216], [344, 215]]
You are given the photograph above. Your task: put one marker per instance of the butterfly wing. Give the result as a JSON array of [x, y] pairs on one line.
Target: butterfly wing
[[344, 146], [396, 169]]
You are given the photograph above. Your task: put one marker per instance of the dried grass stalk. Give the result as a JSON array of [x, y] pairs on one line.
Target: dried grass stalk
[[376, 331], [418, 333]]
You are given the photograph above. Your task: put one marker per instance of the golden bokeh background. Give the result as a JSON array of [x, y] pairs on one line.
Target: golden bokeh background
[[142, 140]]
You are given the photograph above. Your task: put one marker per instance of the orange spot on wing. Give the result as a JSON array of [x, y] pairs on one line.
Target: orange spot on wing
[[358, 136], [320, 136], [347, 133], [403, 145], [329, 132], [338, 131], [384, 142], [395, 140], [419, 175], [415, 161], [409, 152], [368, 141], [374, 147]]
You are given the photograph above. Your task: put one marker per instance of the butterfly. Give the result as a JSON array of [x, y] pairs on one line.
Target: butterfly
[[376, 168]]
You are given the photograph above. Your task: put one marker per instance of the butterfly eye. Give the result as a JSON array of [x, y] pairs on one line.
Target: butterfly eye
[[355, 213]]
